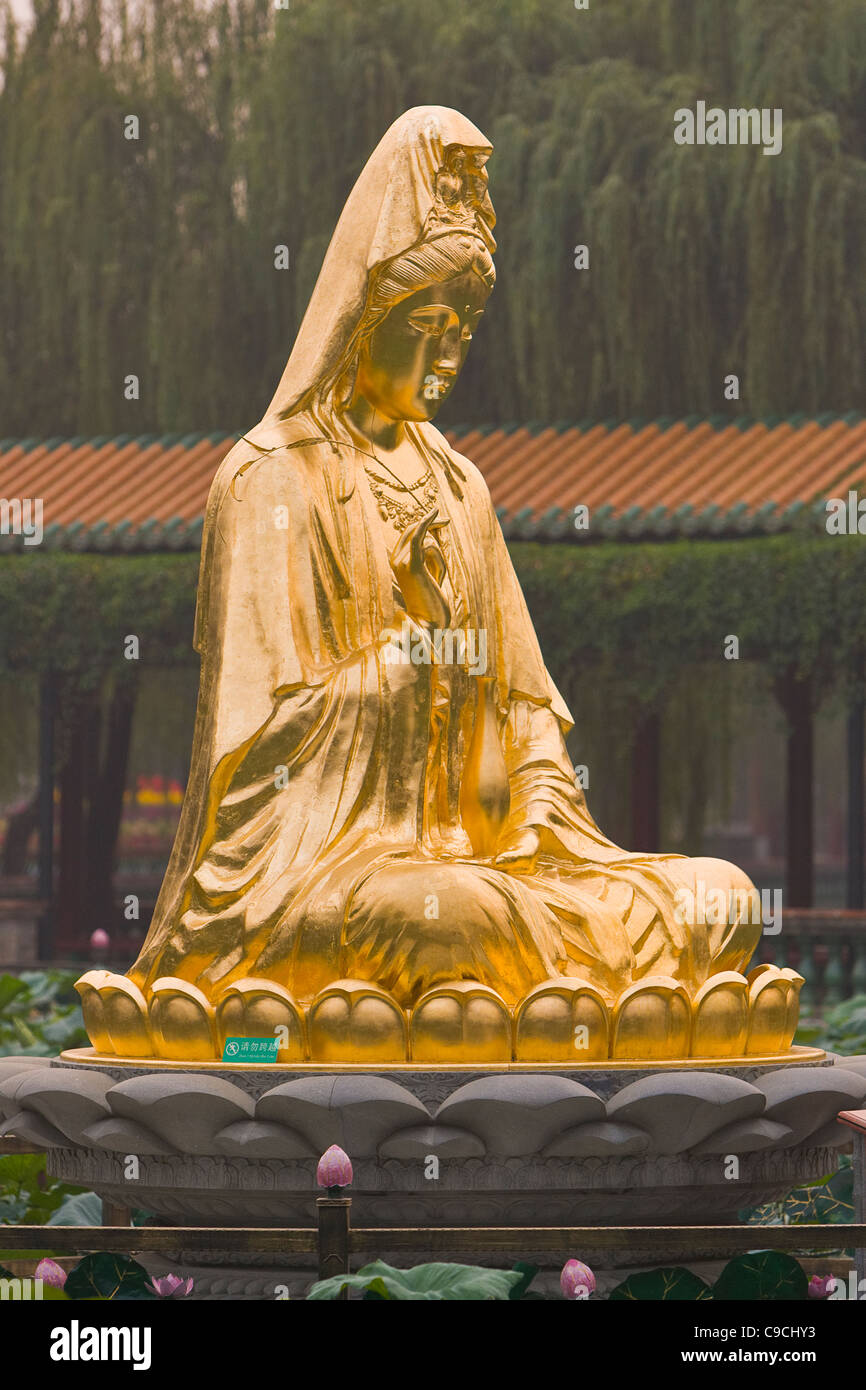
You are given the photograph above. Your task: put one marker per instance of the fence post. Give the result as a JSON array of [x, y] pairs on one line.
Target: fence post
[[113, 1214], [859, 1202], [333, 1215], [856, 1120]]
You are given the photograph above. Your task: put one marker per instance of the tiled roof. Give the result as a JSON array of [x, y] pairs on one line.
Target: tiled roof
[[655, 480]]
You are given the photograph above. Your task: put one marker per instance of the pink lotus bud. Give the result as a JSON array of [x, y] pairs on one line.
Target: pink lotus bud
[[822, 1285], [51, 1273], [577, 1280], [335, 1168], [100, 940], [170, 1286]]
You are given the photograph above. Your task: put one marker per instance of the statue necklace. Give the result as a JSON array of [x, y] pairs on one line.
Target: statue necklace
[[402, 513]]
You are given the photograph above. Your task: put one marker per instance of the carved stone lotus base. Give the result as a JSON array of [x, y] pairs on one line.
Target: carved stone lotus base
[[431, 1147], [561, 1021]]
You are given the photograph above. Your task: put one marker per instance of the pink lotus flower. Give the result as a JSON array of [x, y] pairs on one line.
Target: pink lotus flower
[[822, 1285], [51, 1273], [170, 1286], [100, 942], [335, 1168], [577, 1280]]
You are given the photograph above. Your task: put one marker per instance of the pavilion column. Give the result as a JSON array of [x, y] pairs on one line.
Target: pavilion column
[[645, 785], [45, 799], [106, 808], [76, 788], [795, 696], [856, 751]]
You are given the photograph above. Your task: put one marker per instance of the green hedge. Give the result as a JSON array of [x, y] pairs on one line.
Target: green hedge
[[636, 616], [71, 613], [640, 615]]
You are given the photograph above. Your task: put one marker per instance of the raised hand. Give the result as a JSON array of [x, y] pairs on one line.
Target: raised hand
[[419, 571]]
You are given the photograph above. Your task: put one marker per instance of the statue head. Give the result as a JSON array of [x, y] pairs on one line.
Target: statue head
[[422, 306], [418, 218], [421, 317]]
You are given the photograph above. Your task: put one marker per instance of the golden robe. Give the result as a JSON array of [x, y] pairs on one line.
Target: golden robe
[[321, 836]]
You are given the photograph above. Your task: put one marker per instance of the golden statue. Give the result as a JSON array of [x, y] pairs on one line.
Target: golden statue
[[383, 855]]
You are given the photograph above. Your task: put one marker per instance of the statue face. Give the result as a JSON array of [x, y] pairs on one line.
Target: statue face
[[414, 357]]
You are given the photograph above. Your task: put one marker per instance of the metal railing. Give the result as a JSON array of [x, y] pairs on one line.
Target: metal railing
[[334, 1240], [827, 947]]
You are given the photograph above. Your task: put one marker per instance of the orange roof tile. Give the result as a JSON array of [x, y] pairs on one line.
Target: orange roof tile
[[533, 468]]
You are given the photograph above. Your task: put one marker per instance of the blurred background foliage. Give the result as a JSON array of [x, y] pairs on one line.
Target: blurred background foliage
[[40, 1013], [156, 256]]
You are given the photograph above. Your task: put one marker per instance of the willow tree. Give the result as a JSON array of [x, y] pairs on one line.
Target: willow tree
[[149, 250]]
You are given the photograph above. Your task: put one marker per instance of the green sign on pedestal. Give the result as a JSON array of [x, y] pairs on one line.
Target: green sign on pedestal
[[250, 1050]]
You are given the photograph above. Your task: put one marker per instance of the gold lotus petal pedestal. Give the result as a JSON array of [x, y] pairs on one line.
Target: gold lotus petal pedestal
[[93, 1011], [126, 1017], [352, 1019], [773, 1008], [262, 1009], [652, 1021], [461, 1022], [182, 1022], [720, 1025], [560, 1021]]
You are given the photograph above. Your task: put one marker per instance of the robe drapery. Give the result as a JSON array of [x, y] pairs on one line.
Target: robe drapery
[[323, 809]]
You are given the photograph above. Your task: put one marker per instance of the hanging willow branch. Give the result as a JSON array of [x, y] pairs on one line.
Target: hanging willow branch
[[154, 256]]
